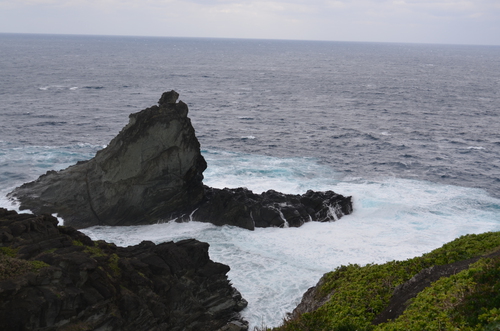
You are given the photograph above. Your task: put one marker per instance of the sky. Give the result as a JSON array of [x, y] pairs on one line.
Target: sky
[[475, 22]]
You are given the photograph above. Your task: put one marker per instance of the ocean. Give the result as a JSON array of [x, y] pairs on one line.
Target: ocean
[[411, 131]]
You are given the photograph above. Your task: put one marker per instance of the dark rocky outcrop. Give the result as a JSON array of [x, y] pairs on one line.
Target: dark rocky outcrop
[[56, 278], [241, 207], [153, 170]]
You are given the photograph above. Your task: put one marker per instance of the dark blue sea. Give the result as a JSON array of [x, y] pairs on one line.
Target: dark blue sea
[[411, 131]]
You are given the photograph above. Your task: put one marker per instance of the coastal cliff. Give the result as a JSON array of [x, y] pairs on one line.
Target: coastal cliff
[[56, 278], [455, 287], [153, 171]]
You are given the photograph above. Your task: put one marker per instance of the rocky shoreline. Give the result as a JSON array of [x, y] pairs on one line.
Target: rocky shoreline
[[56, 278]]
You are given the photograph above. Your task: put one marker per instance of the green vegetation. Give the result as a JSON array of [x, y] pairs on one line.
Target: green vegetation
[[113, 264], [465, 301], [12, 267], [8, 251], [469, 300], [37, 265], [94, 251]]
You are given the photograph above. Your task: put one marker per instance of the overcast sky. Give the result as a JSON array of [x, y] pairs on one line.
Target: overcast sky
[[415, 21]]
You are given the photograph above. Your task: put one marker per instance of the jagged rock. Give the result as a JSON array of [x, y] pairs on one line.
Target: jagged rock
[[241, 207], [152, 171], [56, 278]]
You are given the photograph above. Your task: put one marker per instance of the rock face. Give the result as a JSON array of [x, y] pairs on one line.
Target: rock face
[[153, 170], [56, 278]]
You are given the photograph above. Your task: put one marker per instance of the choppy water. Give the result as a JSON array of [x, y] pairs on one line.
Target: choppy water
[[410, 131]]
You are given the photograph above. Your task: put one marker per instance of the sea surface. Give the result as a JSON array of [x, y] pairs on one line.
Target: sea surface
[[411, 131]]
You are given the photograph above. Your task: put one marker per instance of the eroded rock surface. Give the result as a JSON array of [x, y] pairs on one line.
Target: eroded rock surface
[[56, 278]]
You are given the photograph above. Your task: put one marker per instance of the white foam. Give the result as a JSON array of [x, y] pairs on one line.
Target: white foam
[[6, 202], [273, 267], [261, 173], [57, 88]]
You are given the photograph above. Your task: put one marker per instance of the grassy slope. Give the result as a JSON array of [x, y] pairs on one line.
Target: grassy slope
[[468, 300]]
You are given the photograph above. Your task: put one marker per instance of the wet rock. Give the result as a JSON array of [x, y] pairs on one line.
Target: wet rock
[[241, 207]]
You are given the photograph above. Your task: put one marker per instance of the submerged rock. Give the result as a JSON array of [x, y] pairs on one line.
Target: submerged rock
[[153, 170], [56, 278]]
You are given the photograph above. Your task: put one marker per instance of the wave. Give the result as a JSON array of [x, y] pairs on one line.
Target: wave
[[69, 88], [57, 88], [393, 218], [94, 87]]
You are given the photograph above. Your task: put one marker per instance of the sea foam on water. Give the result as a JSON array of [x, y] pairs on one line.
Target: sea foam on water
[[393, 219]]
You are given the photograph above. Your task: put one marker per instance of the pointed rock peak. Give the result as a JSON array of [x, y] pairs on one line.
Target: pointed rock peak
[[168, 98]]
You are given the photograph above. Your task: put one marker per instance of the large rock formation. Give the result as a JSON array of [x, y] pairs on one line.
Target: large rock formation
[[56, 278], [241, 207], [152, 171]]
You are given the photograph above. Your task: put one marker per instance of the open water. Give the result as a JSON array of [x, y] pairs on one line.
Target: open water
[[411, 131]]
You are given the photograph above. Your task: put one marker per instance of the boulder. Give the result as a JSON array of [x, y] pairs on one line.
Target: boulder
[[56, 278]]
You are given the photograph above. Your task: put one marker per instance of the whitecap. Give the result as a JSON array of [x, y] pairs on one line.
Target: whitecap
[[59, 219]]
